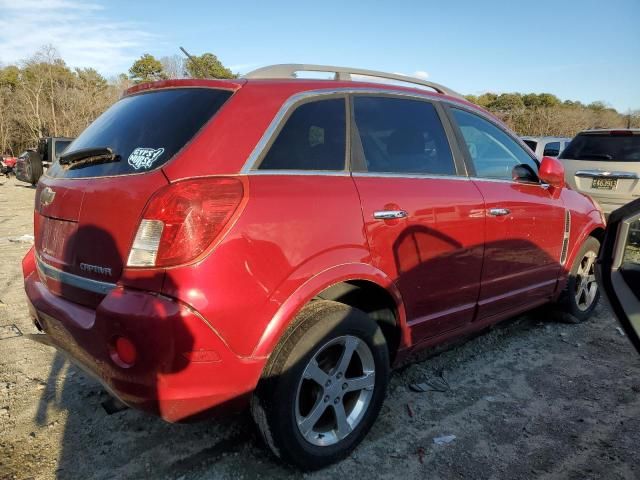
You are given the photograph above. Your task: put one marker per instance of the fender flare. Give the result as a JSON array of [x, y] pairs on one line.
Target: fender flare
[[595, 222], [292, 305]]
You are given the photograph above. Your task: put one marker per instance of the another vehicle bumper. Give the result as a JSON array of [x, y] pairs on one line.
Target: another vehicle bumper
[[609, 205], [182, 367]]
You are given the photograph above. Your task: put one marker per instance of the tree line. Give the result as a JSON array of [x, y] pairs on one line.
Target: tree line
[[545, 114], [43, 96]]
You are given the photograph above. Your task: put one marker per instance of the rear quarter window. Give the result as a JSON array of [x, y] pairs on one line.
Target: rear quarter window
[[145, 130], [313, 138]]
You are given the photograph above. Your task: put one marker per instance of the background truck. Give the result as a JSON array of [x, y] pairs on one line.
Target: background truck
[[33, 162]]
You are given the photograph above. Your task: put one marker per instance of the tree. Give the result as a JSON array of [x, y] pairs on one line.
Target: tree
[[147, 69], [174, 66], [9, 76], [91, 79], [486, 99], [507, 102], [42, 96], [597, 106], [540, 100], [207, 65]]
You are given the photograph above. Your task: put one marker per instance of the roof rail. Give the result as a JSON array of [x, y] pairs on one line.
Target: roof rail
[[288, 70]]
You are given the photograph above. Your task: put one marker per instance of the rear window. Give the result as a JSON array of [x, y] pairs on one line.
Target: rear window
[[531, 144], [145, 130], [616, 147]]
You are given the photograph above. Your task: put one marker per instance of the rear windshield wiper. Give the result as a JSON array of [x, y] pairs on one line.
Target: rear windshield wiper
[[595, 156], [88, 156]]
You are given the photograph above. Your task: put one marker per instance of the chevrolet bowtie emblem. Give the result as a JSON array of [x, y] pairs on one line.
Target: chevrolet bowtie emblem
[[46, 196]]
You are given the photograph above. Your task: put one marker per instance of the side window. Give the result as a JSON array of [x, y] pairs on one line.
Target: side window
[[402, 136], [552, 149], [313, 138], [492, 151]]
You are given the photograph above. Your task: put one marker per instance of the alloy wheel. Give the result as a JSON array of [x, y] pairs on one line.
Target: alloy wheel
[[586, 285], [335, 390]]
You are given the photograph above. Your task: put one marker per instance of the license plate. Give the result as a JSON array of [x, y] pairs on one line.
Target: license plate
[[604, 183]]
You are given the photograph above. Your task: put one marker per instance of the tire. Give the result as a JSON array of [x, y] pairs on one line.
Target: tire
[[34, 168], [582, 293], [296, 416]]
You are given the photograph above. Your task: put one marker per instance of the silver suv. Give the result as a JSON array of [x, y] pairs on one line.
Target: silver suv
[[605, 164]]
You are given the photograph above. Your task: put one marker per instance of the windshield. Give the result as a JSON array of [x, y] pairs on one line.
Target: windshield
[[531, 144], [604, 147], [144, 131]]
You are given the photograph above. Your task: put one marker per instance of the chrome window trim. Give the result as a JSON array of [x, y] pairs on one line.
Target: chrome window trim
[[291, 102], [323, 173], [76, 281], [545, 186], [409, 175]]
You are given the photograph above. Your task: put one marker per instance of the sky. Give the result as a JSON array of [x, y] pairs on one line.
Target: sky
[[576, 49]]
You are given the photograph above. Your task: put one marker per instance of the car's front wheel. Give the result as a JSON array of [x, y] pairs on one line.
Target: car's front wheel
[[582, 293], [323, 386]]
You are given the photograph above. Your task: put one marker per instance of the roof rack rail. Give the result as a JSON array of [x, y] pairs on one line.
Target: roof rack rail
[[288, 70]]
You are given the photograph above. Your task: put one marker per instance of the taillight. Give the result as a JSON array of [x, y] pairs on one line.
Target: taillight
[[181, 220]]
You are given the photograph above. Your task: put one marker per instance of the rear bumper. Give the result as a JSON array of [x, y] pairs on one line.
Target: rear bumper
[[608, 205], [183, 368]]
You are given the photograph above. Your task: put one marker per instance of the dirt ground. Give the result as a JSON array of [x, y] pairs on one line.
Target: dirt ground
[[529, 399]]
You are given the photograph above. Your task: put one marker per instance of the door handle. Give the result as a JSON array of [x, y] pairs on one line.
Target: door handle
[[499, 212], [389, 214]]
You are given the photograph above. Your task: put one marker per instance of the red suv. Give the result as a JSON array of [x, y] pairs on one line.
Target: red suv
[[284, 242]]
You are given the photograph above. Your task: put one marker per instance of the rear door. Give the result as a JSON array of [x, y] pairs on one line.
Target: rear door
[[423, 217], [605, 165], [87, 211], [525, 220]]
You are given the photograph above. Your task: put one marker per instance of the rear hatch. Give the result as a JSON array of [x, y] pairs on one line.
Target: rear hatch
[[89, 204], [605, 164]]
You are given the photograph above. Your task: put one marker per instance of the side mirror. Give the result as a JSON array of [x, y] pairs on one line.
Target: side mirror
[[552, 172]]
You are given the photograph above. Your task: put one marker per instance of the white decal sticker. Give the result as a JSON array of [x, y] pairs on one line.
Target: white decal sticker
[[144, 157]]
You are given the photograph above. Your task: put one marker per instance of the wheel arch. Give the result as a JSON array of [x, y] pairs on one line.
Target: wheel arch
[[359, 285], [590, 226], [597, 233]]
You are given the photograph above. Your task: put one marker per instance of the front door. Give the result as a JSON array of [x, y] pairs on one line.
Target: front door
[[525, 220], [424, 220]]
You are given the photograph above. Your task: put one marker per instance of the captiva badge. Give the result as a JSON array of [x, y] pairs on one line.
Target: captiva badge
[[144, 157]]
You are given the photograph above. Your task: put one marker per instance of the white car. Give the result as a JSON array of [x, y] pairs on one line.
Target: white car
[[546, 146]]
